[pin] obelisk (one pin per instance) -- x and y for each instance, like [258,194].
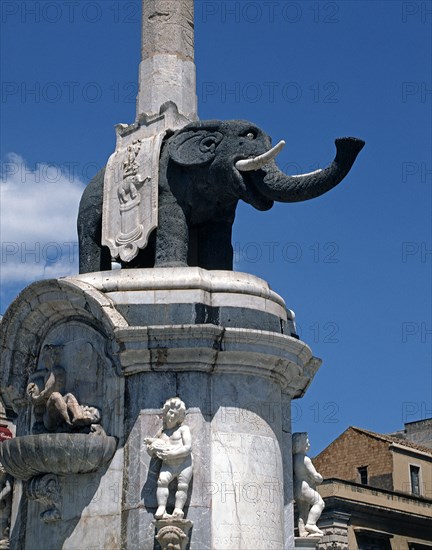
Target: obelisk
[167,70]
[166,102]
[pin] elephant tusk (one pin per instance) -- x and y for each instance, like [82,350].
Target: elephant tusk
[247,165]
[308,174]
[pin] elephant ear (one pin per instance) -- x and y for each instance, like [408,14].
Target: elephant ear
[194,147]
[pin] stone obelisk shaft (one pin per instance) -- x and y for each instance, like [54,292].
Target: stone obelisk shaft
[167,69]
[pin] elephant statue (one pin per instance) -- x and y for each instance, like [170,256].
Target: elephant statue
[205,168]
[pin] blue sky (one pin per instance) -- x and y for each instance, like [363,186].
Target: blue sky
[355,264]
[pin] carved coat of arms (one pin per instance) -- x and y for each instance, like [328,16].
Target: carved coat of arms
[130,211]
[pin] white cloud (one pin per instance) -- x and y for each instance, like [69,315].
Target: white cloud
[38,212]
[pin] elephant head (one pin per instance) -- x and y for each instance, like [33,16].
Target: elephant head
[240,157]
[205,168]
[210,151]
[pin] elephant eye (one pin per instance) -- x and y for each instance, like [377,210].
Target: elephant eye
[250,135]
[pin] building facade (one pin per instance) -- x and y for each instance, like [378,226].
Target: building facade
[378,491]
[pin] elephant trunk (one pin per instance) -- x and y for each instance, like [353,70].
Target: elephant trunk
[279,187]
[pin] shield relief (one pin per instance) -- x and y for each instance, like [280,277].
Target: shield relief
[130,203]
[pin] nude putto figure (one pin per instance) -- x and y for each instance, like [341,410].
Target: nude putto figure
[309,502]
[172,445]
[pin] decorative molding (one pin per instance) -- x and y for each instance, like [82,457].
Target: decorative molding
[46,489]
[208,348]
[173,534]
[181,278]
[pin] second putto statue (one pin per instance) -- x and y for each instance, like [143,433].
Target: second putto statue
[309,502]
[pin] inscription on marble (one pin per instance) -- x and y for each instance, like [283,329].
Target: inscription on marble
[248,536]
[246,492]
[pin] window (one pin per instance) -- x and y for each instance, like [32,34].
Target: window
[363,474]
[377,541]
[415,479]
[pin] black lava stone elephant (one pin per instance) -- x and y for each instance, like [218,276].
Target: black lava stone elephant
[205,169]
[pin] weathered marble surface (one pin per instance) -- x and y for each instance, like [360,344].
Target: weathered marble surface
[168,75]
[167,70]
[305,543]
[90,513]
[287,467]
[237,381]
[247,475]
[181,296]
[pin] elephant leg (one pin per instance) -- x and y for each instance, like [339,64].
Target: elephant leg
[92,256]
[171,237]
[215,250]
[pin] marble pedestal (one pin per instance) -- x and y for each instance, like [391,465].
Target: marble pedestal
[306,543]
[223,343]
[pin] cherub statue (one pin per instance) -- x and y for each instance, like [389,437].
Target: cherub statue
[172,445]
[309,502]
[53,411]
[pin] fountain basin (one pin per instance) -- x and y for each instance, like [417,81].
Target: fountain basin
[60,453]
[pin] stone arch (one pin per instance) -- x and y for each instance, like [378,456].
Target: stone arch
[37,309]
